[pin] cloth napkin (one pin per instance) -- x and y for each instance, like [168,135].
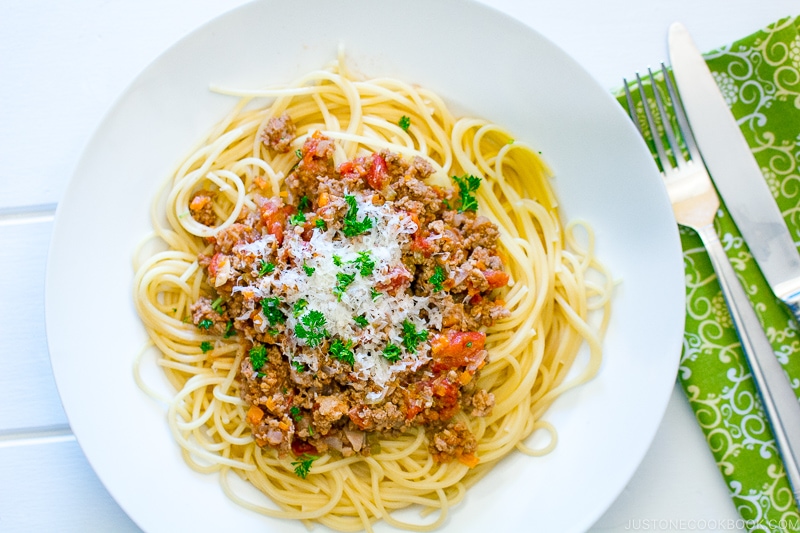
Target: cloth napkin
[759,76]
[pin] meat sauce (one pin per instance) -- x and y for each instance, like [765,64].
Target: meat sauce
[301,410]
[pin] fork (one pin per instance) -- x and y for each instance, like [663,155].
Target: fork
[695,204]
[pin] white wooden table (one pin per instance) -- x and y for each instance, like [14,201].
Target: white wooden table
[62,64]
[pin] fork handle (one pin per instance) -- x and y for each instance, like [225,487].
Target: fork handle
[777,395]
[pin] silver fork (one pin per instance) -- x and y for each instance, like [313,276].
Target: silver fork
[695,204]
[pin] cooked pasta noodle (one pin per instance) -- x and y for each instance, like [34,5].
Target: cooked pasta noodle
[558,300]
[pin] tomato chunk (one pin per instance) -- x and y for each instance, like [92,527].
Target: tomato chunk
[378,172]
[496,278]
[457,349]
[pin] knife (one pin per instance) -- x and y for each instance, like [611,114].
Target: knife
[735,171]
[738,180]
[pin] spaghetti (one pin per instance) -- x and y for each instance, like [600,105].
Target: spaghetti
[553,293]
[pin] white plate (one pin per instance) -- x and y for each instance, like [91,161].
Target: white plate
[481,62]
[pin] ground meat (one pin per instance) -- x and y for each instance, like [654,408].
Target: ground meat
[482,403]
[453,442]
[201,207]
[208,319]
[279,133]
[301,399]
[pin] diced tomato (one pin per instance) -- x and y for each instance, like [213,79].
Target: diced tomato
[273,216]
[219,264]
[398,277]
[456,349]
[358,419]
[496,278]
[300,447]
[445,399]
[378,172]
[353,168]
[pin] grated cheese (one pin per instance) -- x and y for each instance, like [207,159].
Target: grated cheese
[382,244]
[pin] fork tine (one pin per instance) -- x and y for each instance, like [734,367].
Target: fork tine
[680,115]
[677,153]
[632,107]
[663,160]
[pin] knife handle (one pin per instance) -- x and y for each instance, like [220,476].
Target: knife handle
[777,395]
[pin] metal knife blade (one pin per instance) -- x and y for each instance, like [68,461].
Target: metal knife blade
[734,170]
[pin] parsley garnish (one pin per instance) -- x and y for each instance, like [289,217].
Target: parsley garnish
[361,320]
[205,323]
[206,346]
[304,204]
[342,351]
[404,122]
[271,309]
[298,366]
[312,328]
[337,261]
[294,412]
[229,331]
[374,293]
[300,306]
[364,263]
[392,352]
[258,356]
[303,465]
[467,185]
[297,219]
[437,278]
[412,337]
[265,268]
[309,270]
[351,226]
[320,223]
[216,305]
[343,280]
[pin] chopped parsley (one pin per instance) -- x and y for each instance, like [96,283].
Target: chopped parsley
[374,293]
[337,261]
[272,311]
[351,226]
[304,204]
[467,185]
[312,328]
[361,320]
[258,356]
[299,306]
[364,263]
[412,337]
[404,122]
[265,268]
[320,223]
[205,323]
[392,353]
[299,367]
[303,465]
[343,351]
[294,412]
[343,280]
[216,305]
[297,219]
[229,331]
[206,346]
[309,270]
[437,278]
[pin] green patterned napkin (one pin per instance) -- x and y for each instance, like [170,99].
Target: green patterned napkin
[760,78]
